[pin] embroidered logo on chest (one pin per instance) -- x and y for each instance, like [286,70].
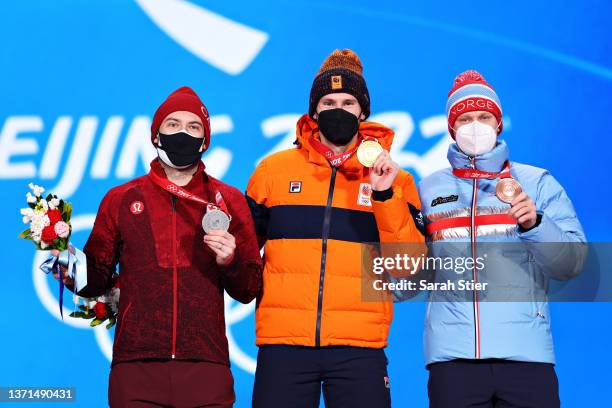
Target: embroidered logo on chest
[365,195]
[137,207]
[295,186]
[444,200]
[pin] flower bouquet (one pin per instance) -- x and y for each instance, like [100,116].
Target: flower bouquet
[48,218]
[49,228]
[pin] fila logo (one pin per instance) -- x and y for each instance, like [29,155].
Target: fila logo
[137,207]
[295,186]
[365,195]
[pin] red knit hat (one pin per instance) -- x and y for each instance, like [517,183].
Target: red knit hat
[183,99]
[471,92]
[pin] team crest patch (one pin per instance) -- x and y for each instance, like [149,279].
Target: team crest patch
[365,195]
[336,82]
[295,186]
[387,382]
[444,200]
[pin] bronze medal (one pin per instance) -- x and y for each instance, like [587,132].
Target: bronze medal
[507,190]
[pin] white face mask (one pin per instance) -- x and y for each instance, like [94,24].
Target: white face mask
[476,138]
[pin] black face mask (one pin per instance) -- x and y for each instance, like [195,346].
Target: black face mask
[338,125]
[179,150]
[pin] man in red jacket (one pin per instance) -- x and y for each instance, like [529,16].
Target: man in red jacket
[180,238]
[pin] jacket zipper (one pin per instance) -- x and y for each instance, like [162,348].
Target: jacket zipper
[174,277]
[325,235]
[474,273]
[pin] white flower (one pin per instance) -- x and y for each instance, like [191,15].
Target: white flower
[28,212]
[43,245]
[38,190]
[31,199]
[26,219]
[45,205]
[38,221]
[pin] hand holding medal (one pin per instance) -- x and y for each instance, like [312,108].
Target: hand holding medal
[384,171]
[223,244]
[523,209]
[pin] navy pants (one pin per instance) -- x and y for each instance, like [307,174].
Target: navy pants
[492,383]
[292,377]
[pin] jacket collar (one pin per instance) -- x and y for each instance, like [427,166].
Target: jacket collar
[492,161]
[195,184]
[307,127]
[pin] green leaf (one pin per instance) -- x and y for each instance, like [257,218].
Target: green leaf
[77,314]
[97,322]
[67,211]
[24,234]
[111,323]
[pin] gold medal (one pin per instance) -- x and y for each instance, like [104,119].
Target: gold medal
[368,152]
[507,189]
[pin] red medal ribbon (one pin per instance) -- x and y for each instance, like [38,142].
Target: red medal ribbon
[336,160]
[180,192]
[478,174]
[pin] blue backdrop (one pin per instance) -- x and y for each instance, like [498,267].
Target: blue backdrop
[80,80]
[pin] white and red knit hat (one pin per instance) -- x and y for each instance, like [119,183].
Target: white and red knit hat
[470,93]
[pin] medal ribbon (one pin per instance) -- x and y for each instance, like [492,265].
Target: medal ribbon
[479,174]
[335,160]
[180,192]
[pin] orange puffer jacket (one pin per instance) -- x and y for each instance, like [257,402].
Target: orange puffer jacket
[313,219]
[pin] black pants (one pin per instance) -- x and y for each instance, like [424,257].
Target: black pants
[492,383]
[291,377]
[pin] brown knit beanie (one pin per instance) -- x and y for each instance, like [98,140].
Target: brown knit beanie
[341,72]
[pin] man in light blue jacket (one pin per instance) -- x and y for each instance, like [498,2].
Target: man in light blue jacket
[494,349]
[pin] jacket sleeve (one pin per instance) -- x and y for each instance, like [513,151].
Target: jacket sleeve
[242,277]
[557,242]
[401,229]
[102,249]
[257,195]
[398,213]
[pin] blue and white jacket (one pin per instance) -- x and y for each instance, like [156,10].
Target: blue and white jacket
[513,330]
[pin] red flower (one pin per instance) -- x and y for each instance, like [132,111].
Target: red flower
[54,216]
[48,234]
[100,310]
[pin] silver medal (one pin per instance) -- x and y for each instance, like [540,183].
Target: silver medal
[215,219]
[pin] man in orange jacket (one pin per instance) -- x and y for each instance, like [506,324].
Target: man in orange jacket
[313,207]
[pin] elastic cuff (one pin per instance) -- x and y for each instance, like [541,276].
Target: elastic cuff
[538,222]
[382,195]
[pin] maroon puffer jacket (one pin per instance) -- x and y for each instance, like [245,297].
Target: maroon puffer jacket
[171,304]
